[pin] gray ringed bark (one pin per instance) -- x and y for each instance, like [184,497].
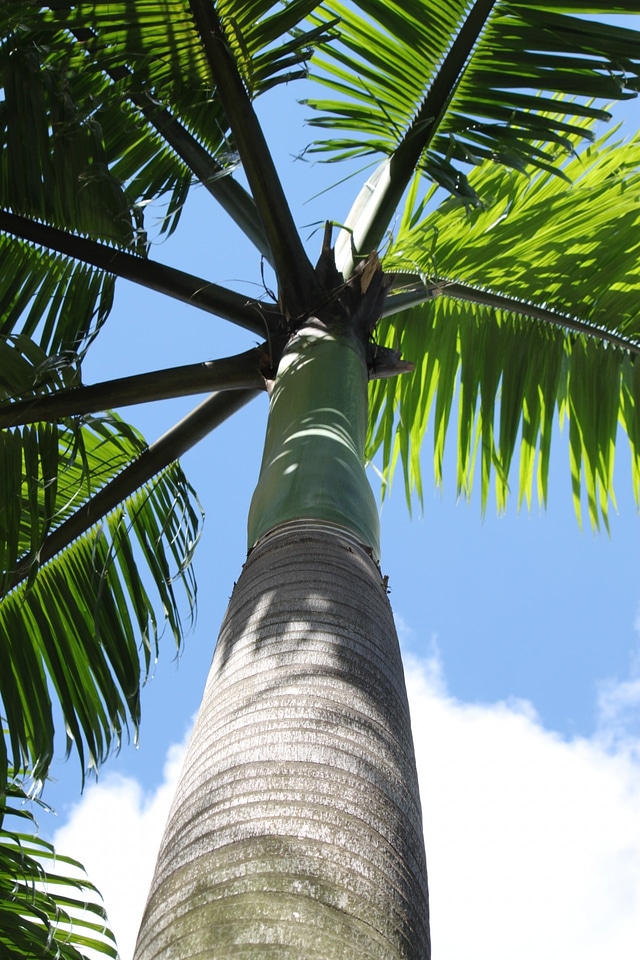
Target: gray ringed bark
[296,829]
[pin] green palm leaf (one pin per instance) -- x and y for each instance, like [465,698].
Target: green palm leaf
[47,906]
[90,139]
[442,86]
[74,628]
[27,371]
[95,532]
[579,254]
[71,624]
[55,161]
[156,45]
[562,337]
[51,469]
[61,301]
[393,55]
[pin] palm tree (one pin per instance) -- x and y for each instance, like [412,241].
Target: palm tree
[494,245]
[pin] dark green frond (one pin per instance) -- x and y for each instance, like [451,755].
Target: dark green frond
[448,85]
[269,40]
[48,909]
[27,371]
[74,628]
[83,139]
[110,110]
[155,45]
[46,295]
[49,470]
[54,162]
[73,625]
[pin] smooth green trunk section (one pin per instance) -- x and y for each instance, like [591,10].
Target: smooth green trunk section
[313,461]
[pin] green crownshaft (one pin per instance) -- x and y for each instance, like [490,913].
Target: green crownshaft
[313,461]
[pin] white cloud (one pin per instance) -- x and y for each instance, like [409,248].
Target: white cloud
[619,715]
[533,842]
[115,831]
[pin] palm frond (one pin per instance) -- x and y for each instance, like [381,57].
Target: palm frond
[71,627]
[49,470]
[60,300]
[26,370]
[109,109]
[81,595]
[48,908]
[546,244]
[157,45]
[147,155]
[570,246]
[71,250]
[153,52]
[54,162]
[447,86]
[270,41]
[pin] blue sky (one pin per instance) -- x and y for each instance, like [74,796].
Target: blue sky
[521,635]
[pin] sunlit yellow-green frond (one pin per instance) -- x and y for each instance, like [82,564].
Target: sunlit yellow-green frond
[572,247]
[531,314]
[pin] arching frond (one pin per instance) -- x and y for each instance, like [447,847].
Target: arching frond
[541,243]
[572,247]
[122,74]
[447,85]
[28,371]
[72,627]
[49,469]
[157,41]
[54,160]
[62,301]
[109,110]
[390,57]
[77,254]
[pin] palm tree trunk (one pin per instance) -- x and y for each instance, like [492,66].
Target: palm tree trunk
[296,829]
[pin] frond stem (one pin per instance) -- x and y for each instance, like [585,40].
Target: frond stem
[406,156]
[173,444]
[413,294]
[296,276]
[240,372]
[224,303]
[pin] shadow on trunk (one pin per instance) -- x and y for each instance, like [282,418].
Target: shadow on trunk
[296,828]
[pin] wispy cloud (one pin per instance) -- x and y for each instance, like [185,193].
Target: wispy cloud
[619,707]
